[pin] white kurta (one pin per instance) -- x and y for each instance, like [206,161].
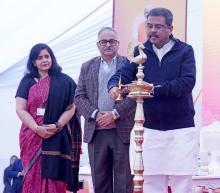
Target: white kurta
[172,152]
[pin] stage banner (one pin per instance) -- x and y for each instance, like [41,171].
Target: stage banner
[211,63]
[129,19]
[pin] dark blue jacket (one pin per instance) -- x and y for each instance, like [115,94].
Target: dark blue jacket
[13,173]
[7,181]
[172,104]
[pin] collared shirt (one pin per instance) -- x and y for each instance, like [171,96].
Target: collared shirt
[105,103]
[107,67]
[160,52]
[105,72]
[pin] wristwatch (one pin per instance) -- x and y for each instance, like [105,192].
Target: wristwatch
[58,126]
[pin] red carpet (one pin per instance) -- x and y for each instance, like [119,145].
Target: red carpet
[87,191]
[81,191]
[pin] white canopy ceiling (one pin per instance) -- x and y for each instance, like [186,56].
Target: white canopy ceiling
[69,27]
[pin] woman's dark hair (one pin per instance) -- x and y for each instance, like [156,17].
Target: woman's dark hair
[34,53]
[166,13]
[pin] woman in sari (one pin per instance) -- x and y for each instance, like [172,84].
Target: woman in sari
[50,147]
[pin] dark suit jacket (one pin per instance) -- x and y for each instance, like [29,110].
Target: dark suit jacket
[13,172]
[7,181]
[86,100]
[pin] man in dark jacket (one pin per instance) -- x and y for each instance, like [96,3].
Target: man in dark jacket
[170,139]
[7,180]
[16,173]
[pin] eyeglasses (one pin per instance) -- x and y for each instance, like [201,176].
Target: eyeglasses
[156,26]
[112,42]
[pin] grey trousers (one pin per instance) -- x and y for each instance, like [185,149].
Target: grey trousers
[109,161]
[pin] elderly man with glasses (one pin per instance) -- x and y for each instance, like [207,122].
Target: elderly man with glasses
[107,124]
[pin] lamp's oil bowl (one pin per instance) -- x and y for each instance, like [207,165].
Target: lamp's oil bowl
[139,86]
[140,94]
[139,89]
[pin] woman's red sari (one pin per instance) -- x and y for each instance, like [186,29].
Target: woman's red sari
[30,143]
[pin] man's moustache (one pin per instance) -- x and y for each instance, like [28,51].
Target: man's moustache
[153,35]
